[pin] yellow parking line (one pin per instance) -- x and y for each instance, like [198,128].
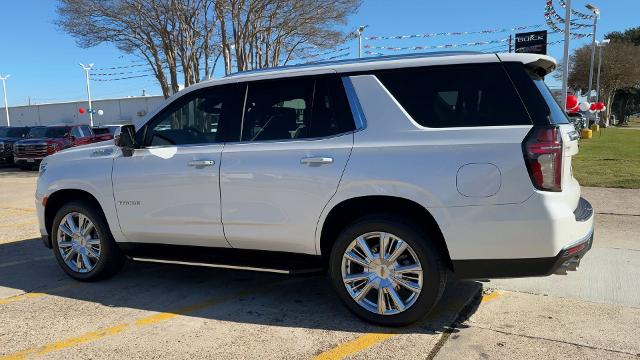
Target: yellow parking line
[35,295]
[20,262]
[19,209]
[491,296]
[12,225]
[138,323]
[354,346]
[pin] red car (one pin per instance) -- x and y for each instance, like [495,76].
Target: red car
[43,141]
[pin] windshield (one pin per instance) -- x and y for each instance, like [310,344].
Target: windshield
[49,132]
[13,132]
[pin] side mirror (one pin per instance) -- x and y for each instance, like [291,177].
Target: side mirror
[126,140]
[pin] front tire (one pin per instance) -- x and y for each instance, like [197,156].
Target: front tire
[83,244]
[394,287]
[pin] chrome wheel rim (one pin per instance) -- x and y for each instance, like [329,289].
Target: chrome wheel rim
[78,242]
[382,273]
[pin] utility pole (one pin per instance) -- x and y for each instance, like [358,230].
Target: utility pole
[86,69]
[360,31]
[596,14]
[600,46]
[565,65]
[4,92]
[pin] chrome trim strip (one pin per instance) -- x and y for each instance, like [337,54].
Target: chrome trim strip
[218,266]
[354,103]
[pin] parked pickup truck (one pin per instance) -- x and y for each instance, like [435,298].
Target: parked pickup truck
[43,141]
[8,137]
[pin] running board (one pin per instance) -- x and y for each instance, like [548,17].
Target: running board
[224,266]
[225,258]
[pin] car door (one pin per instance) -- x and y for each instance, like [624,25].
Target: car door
[297,135]
[168,191]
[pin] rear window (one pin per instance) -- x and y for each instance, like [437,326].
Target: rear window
[101,131]
[535,94]
[457,96]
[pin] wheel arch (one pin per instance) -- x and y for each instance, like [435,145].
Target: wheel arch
[61,197]
[354,208]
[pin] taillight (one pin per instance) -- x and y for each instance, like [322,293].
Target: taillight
[53,147]
[542,150]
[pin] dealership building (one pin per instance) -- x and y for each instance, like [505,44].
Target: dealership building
[126,110]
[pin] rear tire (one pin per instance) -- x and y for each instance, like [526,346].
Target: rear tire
[88,255]
[394,278]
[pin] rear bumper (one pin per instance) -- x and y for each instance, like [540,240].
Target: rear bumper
[567,259]
[565,236]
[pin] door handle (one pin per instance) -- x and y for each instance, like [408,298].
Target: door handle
[316,160]
[201,163]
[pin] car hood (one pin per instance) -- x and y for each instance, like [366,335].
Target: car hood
[39,141]
[9,139]
[90,151]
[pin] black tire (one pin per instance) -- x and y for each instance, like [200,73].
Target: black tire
[111,258]
[434,271]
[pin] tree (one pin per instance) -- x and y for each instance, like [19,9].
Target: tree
[165,33]
[265,33]
[631,35]
[176,36]
[619,70]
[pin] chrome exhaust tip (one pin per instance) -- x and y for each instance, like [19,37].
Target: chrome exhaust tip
[569,265]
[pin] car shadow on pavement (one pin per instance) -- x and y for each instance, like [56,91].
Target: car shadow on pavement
[217,294]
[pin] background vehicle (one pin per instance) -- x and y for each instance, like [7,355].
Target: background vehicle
[392,173]
[43,141]
[578,121]
[105,132]
[8,137]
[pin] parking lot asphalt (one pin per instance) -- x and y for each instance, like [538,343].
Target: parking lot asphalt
[166,311]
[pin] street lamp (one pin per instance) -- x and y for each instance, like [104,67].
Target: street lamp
[4,92]
[86,69]
[360,31]
[596,14]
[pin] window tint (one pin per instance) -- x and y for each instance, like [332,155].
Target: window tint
[466,95]
[295,109]
[536,96]
[86,131]
[76,132]
[193,119]
[331,112]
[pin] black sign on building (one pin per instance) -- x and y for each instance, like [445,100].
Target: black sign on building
[532,42]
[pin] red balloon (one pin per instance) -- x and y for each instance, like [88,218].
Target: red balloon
[599,105]
[572,101]
[81,110]
[592,106]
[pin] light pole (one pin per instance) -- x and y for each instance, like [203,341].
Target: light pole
[86,69]
[4,92]
[360,31]
[565,65]
[596,14]
[602,44]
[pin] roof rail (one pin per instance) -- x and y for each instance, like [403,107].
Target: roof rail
[358,61]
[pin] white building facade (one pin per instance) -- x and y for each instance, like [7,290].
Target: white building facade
[115,111]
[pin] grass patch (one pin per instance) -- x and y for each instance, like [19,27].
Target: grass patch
[609,160]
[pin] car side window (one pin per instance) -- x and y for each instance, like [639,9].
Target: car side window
[452,96]
[278,109]
[86,131]
[195,118]
[297,108]
[75,132]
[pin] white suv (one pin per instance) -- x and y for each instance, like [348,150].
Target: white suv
[391,173]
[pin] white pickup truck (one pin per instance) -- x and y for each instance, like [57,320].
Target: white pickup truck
[390,173]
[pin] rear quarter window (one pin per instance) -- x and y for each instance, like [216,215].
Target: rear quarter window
[535,94]
[457,96]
